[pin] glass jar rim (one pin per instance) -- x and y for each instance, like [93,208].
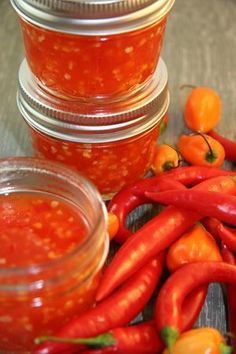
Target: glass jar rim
[93,17]
[93,121]
[14,165]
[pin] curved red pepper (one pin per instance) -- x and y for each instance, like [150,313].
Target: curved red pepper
[227,236]
[134,195]
[130,198]
[230,258]
[155,236]
[229,145]
[173,293]
[218,205]
[117,310]
[211,224]
[221,232]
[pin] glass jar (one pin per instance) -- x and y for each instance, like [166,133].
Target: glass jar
[92,49]
[53,245]
[112,143]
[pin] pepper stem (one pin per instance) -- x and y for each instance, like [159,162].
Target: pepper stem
[168,165]
[103,340]
[169,335]
[210,155]
[225,349]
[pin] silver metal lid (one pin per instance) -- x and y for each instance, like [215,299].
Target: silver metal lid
[93,16]
[93,121]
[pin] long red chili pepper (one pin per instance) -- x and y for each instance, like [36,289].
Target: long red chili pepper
[117,310]
[219,205]
[228,236]
[173,293]
[221,232]
[141,338]
[229,145]
[230,258]
[132,196]
[211,224]
[155,236]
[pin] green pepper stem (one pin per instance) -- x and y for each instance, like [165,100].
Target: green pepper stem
[169,335]
[225,349]
[210,155]
[104,340]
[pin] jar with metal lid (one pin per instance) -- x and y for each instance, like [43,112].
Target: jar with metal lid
[111,144]
[53,246]
[92,49]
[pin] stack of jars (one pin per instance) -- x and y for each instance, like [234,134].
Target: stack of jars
[93,92]
[93,89]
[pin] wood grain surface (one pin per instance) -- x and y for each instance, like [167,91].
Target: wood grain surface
[200,48]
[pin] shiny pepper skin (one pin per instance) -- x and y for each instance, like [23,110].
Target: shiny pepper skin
[165,158]
[200,341]
[202,109]
[196,151]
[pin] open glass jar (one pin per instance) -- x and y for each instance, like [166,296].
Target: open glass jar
[53,245]
[92,49]
[112,143]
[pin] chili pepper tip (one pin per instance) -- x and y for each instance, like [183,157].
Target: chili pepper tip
[169,335]
[225,349]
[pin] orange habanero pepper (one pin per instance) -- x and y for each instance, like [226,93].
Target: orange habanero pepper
[165,158]
[202,109]
[201,150]
[196,245]
[200,341]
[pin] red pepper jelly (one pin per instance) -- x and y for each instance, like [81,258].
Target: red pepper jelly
[53,245]
[82,49]
[111,143]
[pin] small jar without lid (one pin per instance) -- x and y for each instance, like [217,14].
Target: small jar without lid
[53,246]
[112,143]
[88,49]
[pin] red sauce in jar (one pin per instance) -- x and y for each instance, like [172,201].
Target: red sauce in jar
[92,66]
[110,166]
[37,229]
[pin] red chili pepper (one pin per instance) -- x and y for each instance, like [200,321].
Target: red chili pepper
[211,224]
[227,236]
[155,236]
[229,145]
[132,196]
[218,205]
[117,310]
[173,293]
[230,258]
[141,338]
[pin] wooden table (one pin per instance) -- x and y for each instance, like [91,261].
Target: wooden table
[200,49]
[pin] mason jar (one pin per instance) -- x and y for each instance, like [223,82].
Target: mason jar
[111,143]
[92,49]
[53,246]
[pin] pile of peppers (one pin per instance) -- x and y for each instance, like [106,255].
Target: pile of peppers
[194,237]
